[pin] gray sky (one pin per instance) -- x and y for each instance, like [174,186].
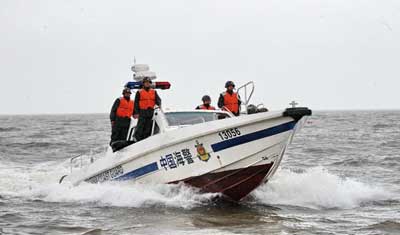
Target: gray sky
[75,56]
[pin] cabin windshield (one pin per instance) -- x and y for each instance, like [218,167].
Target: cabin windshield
[191,118]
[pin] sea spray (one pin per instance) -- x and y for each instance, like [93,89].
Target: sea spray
[317,188]
[125,194]
[40,182]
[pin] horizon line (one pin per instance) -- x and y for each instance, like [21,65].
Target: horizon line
[93,113]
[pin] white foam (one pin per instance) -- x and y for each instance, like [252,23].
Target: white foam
[317,188]
[314,188]
[41,182]
[124,194]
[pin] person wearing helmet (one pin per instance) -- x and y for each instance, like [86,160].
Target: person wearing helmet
[145,100]
[230,100]
[120,116]
[206,103]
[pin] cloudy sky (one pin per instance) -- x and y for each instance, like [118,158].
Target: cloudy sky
[75,56]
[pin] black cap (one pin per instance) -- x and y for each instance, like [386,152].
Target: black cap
[146,79]
[126,90]
[229,83]
[206,98]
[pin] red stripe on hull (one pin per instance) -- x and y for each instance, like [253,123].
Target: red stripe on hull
[234,184]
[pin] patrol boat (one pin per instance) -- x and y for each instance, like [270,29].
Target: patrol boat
[209,149]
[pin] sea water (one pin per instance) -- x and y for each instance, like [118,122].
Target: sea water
[341,175]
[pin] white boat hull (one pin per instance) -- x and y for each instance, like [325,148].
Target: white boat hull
[231,156]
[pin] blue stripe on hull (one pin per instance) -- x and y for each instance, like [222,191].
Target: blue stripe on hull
[217,147]
[253,136]
[139,172]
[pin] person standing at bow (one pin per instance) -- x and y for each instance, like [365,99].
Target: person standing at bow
[145,100]
[120,116]
[206,103]
[230,100]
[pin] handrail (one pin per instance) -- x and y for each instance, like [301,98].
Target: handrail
[247,96]
[80,156]
[73,158]
[162,124]
[224,108]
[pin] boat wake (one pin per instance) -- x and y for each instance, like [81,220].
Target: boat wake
[317,188]
[41,183]
[122,194]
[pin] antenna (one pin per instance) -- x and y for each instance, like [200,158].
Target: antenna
[134,60]
[293,104]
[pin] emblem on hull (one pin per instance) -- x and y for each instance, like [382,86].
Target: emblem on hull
[202,153]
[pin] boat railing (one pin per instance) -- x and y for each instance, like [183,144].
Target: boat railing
[248,90]
[159,119]
[73,159]
[227,110]
[81,159]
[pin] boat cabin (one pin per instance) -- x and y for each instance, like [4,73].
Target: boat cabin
[164,121]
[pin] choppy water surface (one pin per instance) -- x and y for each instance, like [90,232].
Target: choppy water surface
[341,175]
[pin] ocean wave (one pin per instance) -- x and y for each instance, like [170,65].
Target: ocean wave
[388,226]
[7,129]
[352,162]
[390,144]
[389,202]
[382,126]
[40,182]
[11,217]
[320,150]
[391,161]
[317,188]
[34,145]
[38,136]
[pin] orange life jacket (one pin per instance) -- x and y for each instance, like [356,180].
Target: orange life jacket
[125,108]
[231,102]
[205,107]
[147,99]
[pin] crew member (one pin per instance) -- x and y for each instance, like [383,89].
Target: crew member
[206,103]
[145,100]
[230,100]
[120,116]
